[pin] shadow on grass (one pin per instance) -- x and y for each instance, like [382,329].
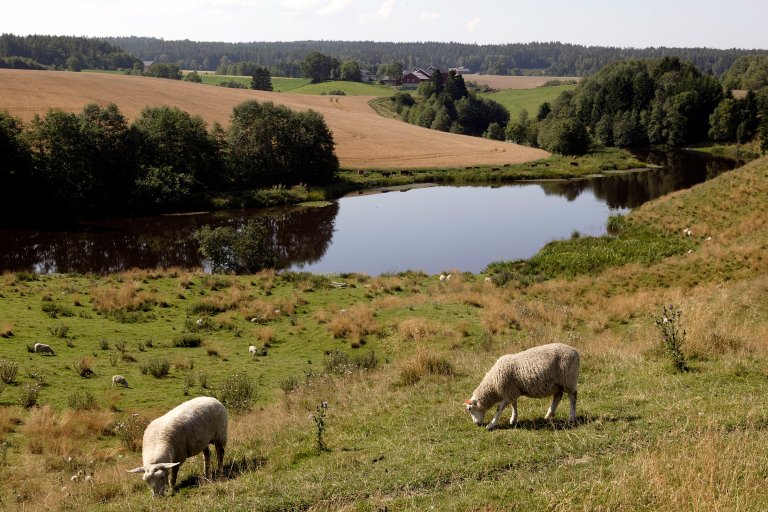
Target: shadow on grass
[563,424]
[232,469]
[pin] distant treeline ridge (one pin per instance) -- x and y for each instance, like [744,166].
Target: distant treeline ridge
[553,58]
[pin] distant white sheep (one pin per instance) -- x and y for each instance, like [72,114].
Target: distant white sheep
[252,350]
[488,279]
[546,370]
[199,323]
[42,348]
[442,278]
[687,231]
[181,433]
[119,379]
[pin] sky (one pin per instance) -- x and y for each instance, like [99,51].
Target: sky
[622,23]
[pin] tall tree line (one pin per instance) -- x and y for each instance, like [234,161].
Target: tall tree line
[553,58]
[96,162]
[65,52]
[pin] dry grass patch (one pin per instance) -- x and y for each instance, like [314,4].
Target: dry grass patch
[58,436]
[125,298]
[266,335]
[353,323]
[398,302]
[420,329]
[424,364]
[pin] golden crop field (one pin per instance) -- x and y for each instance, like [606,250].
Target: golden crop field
[363,138]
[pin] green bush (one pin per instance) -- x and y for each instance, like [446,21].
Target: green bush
[82,401]
[8,371]
[28,395]
[187,341]
[238,392]
[158,367]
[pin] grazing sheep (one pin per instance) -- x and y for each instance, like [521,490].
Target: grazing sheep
[488,279]
[199,322]
[182,432]
[252,350]
[687,231]
[42,348]
[119,379]
[442,278]
[537,372]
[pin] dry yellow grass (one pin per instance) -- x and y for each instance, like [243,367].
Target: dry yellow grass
[363,138]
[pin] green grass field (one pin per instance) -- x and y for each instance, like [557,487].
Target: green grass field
[302,85]
[516,100]
[395,434]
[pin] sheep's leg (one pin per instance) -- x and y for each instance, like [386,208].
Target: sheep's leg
[219,455]
[174,474]
[555,402]
[207,462]
[513,418]
[495,421]
[572,399]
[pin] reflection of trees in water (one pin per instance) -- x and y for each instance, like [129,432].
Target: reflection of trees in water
[299,235]
[680,169]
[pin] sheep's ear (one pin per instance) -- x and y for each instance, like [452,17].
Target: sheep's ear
[468,402]
[167,465]
[136,470]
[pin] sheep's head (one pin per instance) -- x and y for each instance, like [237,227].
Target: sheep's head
[473,408]
[156,476]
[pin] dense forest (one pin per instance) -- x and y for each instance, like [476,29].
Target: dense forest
[62,52]
[166,160]
[554,58]
[664,101]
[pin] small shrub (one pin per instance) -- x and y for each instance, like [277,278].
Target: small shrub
[131,431]
[187,341]
[8,371]
[289,384]
[672,337]
[158,367]
[189,379]
[22,277]
[337,362]
[82,401]
[84,367]
[238,392]
[6,331]
[28,395]
[121,346]
[104,344]
[202,379]
[59,331]
[114,357]
[319,420]
[55,310]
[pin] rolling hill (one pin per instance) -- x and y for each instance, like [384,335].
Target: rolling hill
[363,139]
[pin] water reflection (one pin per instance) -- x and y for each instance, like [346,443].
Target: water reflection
[429,229]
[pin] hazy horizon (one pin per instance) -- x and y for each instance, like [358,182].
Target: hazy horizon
[656,23]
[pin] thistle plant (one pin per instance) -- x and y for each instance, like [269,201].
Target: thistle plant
[319,419]
[672,336]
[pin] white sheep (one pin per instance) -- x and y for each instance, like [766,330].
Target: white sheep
[119,379]
[546,370]
[182,432]
[442,278]
[42,348]
[488,279]
[687,232]
[252,350]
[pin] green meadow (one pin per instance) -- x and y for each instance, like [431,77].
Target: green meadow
[394,356]
[516,100]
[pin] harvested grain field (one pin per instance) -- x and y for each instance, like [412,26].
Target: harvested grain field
[363,138]
[502,82]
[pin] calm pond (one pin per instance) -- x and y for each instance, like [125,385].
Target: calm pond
[432,229]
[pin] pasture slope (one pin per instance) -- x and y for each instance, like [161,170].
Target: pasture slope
[363,139]
[396,436]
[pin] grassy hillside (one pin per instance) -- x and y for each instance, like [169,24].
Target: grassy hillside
[516,100]
[394,431]
[279,84]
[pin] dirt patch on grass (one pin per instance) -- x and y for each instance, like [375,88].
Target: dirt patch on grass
[363,138]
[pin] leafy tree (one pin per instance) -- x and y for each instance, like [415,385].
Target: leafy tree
[16,163]
[475,114]
[564,135]
[747,72]
[193,76]
[176,154]
[494,131]
[455,88]
[393,70]
[163,70]
[261,81]
[544,110]
[724,120]
[270,144]
[349,71]
[517,131]
[74,63]
[318,67]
